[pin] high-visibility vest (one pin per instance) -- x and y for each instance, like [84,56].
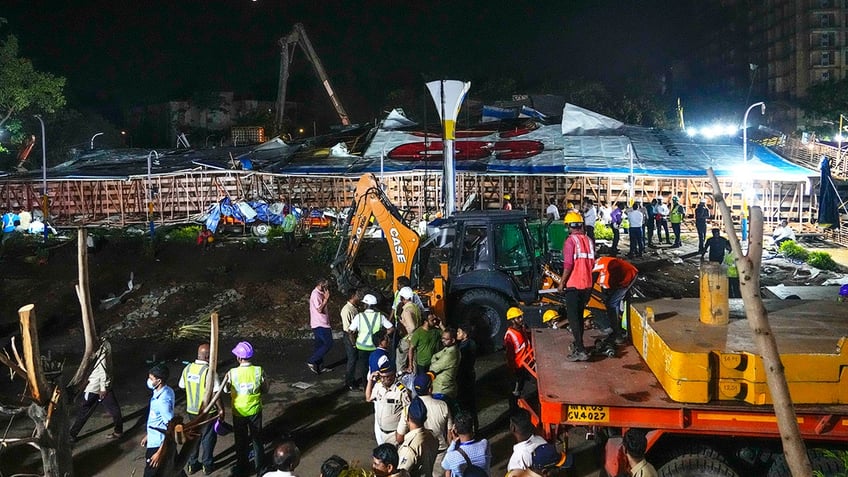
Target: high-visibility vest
[289,223]
[245,382]
[194,377]
[676,215]
[584,261]
[369,321]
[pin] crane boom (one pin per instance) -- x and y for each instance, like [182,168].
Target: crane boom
[298,37]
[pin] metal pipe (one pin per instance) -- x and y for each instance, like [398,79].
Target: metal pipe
[45,201]
[762,106]
[150,193]
[92,139]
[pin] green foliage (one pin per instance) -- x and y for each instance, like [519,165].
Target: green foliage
[22,87]
[822,261]
[275,232]
[603,231]
[826,100]
[184,234]
[792,250]
[324,249]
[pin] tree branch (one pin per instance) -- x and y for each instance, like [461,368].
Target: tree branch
[749,281]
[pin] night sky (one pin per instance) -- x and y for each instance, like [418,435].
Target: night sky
[122,53]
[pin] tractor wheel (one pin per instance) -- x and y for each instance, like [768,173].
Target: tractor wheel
[826,462]
[486,310]
[694,465]
[261,230]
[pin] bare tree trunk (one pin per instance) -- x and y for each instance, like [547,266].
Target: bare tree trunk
[51,402]
[749,282]
[48,413]
[77,383]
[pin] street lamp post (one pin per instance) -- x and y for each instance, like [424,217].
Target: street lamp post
[762,106]
[839,138]
[92,139]
[44,199]
[150,216]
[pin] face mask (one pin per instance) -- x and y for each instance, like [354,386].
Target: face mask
[150,384]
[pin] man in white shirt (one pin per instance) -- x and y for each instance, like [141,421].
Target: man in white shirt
[782,233]
[526,439]
[552,212]
[590,216]
[97,391]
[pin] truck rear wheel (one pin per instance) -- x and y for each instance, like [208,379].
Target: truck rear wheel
[486,310]
[825,461]
[695,465]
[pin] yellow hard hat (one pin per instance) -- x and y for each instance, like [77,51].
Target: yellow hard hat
[573,219]
[513,313]
[507,196]
[550,315]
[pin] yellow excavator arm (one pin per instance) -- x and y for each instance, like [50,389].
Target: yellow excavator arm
[369,201]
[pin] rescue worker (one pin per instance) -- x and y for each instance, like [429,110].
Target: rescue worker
[194,381]
[733,290]
[675,217]
[615,277]
[362,328]
[289,226]
[507,202]
[247,384]
[552,319]
[518,352]
[578,260]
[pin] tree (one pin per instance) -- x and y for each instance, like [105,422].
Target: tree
[826,100]
[22,87]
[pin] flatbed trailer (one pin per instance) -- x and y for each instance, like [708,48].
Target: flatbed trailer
[611,395]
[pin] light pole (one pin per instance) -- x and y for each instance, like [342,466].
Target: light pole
[150,215]
[92,139]
[44,199]
[839,138]
[762,106]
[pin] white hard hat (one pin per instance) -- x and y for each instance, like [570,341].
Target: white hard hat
[406,292]
[369,299]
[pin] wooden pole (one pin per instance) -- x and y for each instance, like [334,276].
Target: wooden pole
[32,355]
[749,282]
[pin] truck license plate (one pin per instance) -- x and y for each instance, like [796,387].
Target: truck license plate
[588,414]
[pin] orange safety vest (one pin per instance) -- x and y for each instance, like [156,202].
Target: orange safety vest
[584,261]
[517,347]
[614,272]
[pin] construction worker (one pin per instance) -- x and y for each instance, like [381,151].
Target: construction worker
[507,202]
[289,226]
[247,384]
[194,380]
[578,260]
[552,319]
[518,352]
[615,277]
[675,217]
[362,328]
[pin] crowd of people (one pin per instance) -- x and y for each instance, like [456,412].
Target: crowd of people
[17,220]
[417,371]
